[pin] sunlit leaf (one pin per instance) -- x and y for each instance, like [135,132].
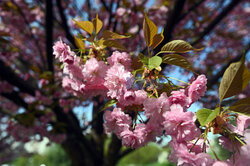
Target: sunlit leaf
[112,35]
[202,115]
[177,60]
[242,106]
[85,25]
[157,39]
[110,103]
[79,43]
[212,115]
[97,24]
[149,29]
[154,62]
[178,46]
[115,44]
[234,80]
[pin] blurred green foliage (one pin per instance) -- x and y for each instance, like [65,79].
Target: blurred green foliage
[150,155]
[54,156]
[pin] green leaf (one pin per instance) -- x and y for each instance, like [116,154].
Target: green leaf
[149,29]
[242,106]
[79,43]
[178,46]
[177,60]
[97,24]
[143,59]
[202,115]
[85,25]
[206,116]
[157,39]
[213,115]
[115,44]
[110,103]
[112,35]
[234,80]
[154,62]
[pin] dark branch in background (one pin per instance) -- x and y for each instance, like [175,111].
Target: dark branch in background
[49,34]
[88,9]
[215,78]
[8,75]
[15,98]
[113,154]
[65,24]
[218,19]
[105,5]
[171,22]
[192,8]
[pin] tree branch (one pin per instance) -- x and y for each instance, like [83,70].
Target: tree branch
[213,24]
[171,22]
[15,98]
[8,75]
[192,8]
[65,24]
[49,34]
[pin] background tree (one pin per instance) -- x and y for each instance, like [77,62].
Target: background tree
[32,100]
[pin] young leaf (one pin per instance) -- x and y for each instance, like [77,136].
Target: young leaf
[110,103]
[202,115]
[85,25]
[97,24]
[79,43]
[115,44]
[234,80]
[178,46]
[242,106]
[177,60]
[154,62]
[212,115]
[143,59]
[112,35]
[157,39]
[149,29]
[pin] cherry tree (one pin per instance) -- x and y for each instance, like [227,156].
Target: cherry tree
[119,62]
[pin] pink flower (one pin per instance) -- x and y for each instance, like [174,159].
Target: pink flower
[117,81]
[136,138]
[63,52]
[180,125]
[197,88]
[128,98]
[180,155]
[154,106]
[141,96]
[178,97]
[94,71]
[243,122]
[122,58]
[221,163]
[116,121]
[120,11]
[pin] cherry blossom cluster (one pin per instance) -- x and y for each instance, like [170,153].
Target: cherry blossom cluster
[165,115]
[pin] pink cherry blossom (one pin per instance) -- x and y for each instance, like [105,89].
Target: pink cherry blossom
[197,88]
[122,58]
[117,80]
